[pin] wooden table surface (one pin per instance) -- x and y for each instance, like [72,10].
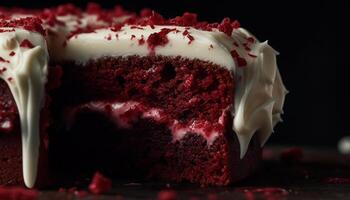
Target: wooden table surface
[321,174]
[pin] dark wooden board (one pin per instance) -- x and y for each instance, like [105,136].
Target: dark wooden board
[276,180]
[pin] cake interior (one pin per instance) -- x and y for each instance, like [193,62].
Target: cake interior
[155,117]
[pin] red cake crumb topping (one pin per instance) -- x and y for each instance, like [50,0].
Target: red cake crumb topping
[28,23]
[26,44]
[142,40]
[100,184]
[337,180]
[158,39]
[109,37]
[17,193]
[132,37]
[293,154]
[50,18]
[67,9]
[241,62]
[10,79]
[187,19]
[3,60]
[167,195]
[117,27]
[226,27]
[93,8]
[187,34]
[12,53]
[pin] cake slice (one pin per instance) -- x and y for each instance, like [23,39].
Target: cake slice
[144,96]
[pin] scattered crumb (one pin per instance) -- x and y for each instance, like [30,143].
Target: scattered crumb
[100,184]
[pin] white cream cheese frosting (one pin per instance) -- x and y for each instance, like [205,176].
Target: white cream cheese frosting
[25,71]
[258,101]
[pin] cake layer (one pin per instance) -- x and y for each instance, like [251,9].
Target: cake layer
[186,89]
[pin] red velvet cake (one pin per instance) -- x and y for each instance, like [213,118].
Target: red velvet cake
[132,95]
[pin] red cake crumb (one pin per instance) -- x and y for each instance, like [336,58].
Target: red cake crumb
[100,184]
[226,27]
[142,40]
[17,193]
[93,8]
[28,23]
[67,9]
[12,53]
[187,19]
[293,154]
[109,37]
[3,60]
[241,62]
[337,180]
[187,34]
[158,39]
[167,195]
[117,27]
[26,44]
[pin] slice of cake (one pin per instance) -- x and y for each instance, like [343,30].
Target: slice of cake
[135,95]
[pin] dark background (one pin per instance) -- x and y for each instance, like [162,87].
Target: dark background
[312,38]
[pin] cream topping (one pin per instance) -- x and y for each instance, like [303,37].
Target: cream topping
[260,93]
[25,72]
[206,45]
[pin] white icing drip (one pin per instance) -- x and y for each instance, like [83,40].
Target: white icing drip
[25,75]
[260,94]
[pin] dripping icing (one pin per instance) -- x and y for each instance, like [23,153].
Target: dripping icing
[25,75]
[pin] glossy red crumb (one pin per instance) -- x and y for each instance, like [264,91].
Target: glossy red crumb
[17,193]
[100,184]
[12,53]
[337,180]
[158,39]
[241,62]
[167,195]
[293,154]
[3,60]
[28,23]
[26,44]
